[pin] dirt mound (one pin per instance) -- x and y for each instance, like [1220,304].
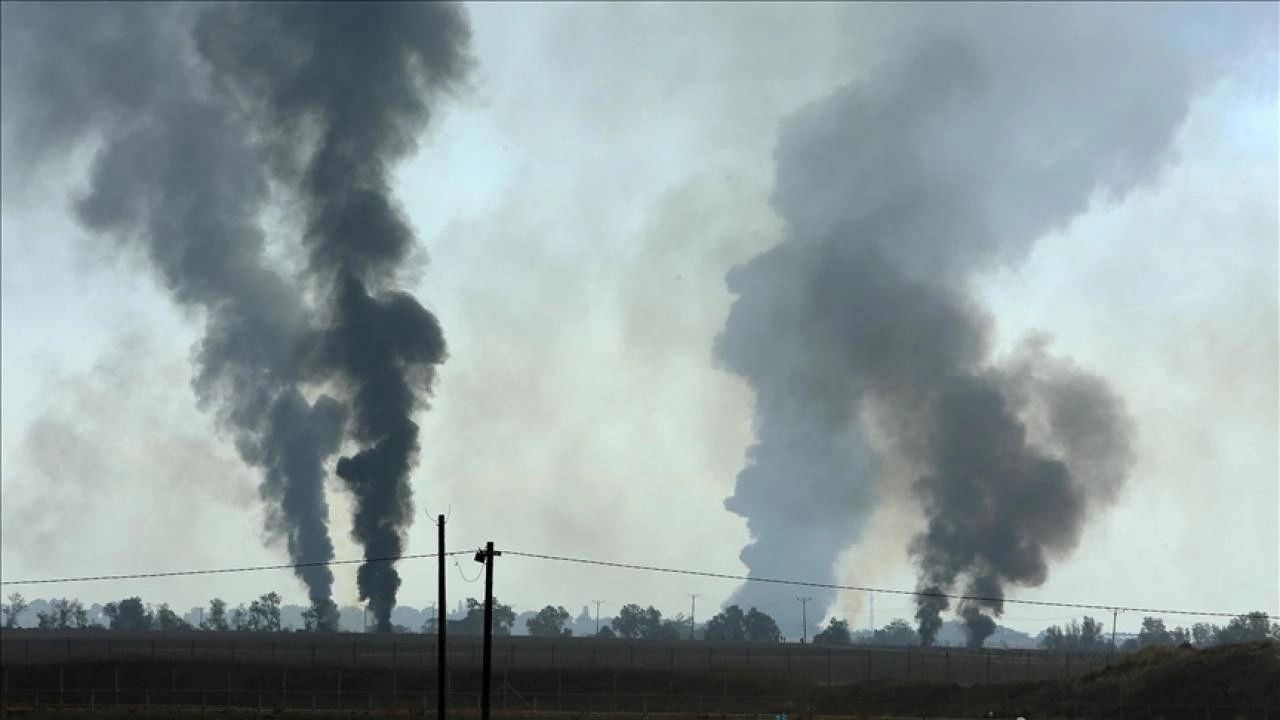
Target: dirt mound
[1243,675]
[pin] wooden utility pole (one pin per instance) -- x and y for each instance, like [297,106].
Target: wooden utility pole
[486,556]
[442,668]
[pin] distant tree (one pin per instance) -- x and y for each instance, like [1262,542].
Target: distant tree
[898,632]
[216,618]
[63,614]
[1180,636]
[1053,639]
[549,622]
[835,633]
[128,614]
[166,619]
[760,627]
[728,625]
[17,604]
[239,619]
[607,632]
[1075,636]
[1153,633]
[473,624]
[1204,634]
[676,628]
[1091,635]
[634,622]
[1253,627]
[264,613]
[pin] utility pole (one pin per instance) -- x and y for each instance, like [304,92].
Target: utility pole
[598,604]
[693,609]
[442,668]
[1114,613]
[804,618]
[872,619]
[486,556]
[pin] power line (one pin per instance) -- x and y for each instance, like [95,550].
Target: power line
[221,571]
[632,566]
[886,591]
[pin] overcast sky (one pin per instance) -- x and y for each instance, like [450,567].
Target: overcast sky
[579,207]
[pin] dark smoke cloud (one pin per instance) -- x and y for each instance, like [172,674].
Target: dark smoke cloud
[983,130]
[182,175]
[339,93]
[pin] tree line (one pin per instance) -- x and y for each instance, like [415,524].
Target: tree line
[633,622]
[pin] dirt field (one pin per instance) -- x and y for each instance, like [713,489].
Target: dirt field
[1230,683]
[824,665]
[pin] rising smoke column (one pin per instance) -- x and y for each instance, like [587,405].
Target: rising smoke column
[339,93]
[177,178]
[984,129]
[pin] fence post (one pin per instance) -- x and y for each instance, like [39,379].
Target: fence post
[988,654]
[61,700]
[339,688]
[117,685]
[908,665]
[828,667]
[1028,667]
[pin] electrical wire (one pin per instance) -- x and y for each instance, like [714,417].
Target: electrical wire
[220,571]
[646,568]
[885,591]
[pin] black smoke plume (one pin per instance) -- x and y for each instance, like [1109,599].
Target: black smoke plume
[983,130]
[182,175]
[339,92]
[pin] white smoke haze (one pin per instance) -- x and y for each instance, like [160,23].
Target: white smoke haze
[581,204]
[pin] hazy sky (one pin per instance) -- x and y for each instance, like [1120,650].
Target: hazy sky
[579,207]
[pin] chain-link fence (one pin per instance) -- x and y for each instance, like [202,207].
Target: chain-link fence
[835,665]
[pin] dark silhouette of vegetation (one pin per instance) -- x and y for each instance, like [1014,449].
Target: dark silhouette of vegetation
[63,614]
[128,614]
[549,622]
[473,624]
[633,622]
[733,625]
[17,604]
[835,633]
[216,618]
[1084,636]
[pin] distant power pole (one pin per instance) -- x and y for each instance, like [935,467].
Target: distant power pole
[804,618]
[598,604]
[1114,612]
[693,609]
[872,620]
